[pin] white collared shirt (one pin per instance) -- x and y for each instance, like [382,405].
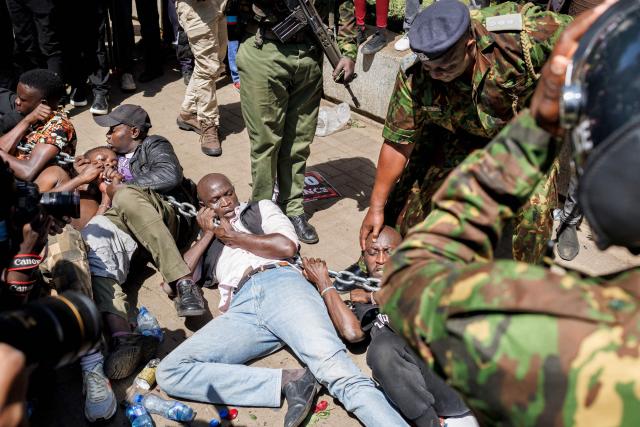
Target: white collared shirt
[234,262]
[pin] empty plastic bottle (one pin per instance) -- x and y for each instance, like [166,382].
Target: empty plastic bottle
[138,416]
[330,119]
[170,409]
[148,324]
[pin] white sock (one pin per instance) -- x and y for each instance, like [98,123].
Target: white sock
[467,420]
[89,361]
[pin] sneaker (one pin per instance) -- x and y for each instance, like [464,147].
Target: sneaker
[127,84]
[402,44]
[361,35]
[237,86]
[100,104]
[376,43]
[128,352]
[78,97]
[189,301]
[99,399]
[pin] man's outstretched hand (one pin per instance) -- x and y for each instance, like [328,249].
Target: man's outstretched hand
[316,271]
[545,104]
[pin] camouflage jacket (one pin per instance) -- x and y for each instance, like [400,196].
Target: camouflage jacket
[523,345]
[277,11]
[502,82]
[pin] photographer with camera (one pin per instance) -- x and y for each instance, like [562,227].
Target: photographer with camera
[53,331]
[44,132]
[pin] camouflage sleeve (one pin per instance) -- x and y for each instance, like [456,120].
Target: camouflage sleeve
[473,204]
[404,115]
[543,28]
[347,30]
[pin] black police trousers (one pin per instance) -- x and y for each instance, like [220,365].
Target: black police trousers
[420,395]
[35,29]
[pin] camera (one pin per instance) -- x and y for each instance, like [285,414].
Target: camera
[30,202]
[53,331]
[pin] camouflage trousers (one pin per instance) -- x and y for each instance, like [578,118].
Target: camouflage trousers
[430,163]
[65,266]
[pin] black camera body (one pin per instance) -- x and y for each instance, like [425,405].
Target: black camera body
[53,331]
[30,202]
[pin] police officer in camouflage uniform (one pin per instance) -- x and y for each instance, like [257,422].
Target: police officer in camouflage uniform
[472,71]
[525,345]
[280,97]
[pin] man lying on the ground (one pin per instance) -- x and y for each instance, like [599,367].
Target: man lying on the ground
[140,217]
[43,133]
[93,171]
[421,396]
[271,305]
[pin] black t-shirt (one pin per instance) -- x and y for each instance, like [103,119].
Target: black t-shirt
[371,320]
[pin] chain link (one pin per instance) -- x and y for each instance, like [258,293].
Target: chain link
[186,209]
[347,278]
[62,159]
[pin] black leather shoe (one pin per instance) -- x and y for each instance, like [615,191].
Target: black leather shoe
[188,301]
[100,104]
[305,231]
[568,245]
[127,353]
[376,43]
[300,395]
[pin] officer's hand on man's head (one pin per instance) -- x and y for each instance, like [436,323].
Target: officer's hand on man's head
[347,66]
[545,103]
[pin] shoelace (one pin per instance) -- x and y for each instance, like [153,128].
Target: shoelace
[97,388]
[188,290]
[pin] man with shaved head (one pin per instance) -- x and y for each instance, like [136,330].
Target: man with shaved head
[416,391]
[247,249]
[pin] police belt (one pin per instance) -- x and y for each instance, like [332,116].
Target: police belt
[299,37]
[257,270]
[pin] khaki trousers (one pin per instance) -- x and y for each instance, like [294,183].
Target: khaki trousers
[205,25]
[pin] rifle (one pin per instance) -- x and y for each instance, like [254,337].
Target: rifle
[304,14]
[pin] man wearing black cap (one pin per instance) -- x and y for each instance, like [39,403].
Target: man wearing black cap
[148,171]
[472,70]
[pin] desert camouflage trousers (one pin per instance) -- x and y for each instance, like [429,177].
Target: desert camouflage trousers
[410,201]
[66,267]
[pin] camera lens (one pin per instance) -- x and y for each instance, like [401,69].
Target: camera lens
[62,203]
[53,331]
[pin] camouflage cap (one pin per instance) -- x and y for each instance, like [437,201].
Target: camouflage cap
[437,28]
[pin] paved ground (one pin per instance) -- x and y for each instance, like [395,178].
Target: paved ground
[347,159]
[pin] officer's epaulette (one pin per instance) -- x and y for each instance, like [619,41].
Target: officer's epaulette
[408,61]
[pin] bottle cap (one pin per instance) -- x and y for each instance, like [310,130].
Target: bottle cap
[214,423]
[143,310]
[223,413]
[138,398]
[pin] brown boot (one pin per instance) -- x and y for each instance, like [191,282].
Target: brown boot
[209,140]
[188,121]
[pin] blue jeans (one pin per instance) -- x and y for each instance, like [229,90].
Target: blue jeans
[232,50]
[274,308]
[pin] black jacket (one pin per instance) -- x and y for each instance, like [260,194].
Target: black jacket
[154,165]
[9,117]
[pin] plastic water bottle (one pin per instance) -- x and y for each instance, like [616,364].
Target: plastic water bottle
[138,416]
[170,409]
[331,119]
[148,324]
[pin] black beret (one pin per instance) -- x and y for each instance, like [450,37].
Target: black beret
[437,28]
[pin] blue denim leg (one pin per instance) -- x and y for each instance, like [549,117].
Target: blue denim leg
[232,50]
[293,310]
[208,367]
